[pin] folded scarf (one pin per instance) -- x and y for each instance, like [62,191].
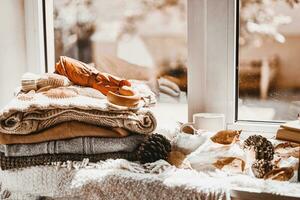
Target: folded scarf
[66,130]
[82,145]
[46,159]
[35,111]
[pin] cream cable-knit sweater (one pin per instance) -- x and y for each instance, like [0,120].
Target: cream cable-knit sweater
[34,111]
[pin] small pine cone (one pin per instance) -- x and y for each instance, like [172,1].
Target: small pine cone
[263,148]
[261,167]
[155,147]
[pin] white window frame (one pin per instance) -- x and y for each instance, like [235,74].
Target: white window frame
[211,35]
[39,36]
[212,82]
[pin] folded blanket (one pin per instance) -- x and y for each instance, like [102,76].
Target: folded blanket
[66,130]
[82,145]
[44,82]
[35,111]
[46,159]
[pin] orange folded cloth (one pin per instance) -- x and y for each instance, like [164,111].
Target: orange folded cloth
[85,75]
[61,131]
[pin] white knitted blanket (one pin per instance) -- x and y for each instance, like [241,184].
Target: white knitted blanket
[111,179]
[121,179]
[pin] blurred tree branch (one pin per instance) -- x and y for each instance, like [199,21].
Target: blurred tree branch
[258,21]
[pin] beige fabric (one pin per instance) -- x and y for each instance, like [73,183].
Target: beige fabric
[65,130]
[35,111]
[42,82]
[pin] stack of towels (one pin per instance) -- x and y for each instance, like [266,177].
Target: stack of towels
[51,120]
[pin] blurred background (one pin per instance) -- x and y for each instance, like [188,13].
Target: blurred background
[135,39]
[269,60]
[147,40]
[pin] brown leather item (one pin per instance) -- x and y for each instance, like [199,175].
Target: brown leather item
[82,74]
[66,130]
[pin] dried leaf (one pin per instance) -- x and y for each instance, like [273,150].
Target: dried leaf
[280,174]
[288,149]
[226,136]
[176,158]
[230,163]
[286,145]
[188,129]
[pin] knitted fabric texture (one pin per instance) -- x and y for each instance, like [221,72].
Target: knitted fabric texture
[43,82]
[42,110]
[46,159]
[82,145]
[66,130]
[112,179]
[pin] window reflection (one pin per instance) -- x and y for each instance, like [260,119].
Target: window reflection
[269,60]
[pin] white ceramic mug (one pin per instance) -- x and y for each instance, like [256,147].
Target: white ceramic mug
[207,121]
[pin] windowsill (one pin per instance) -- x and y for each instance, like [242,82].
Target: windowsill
[235,194]
[258,127]
[250,193]
[261,189]
[242,194]
[169,111]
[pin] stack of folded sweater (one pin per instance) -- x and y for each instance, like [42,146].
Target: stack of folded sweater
[53,120]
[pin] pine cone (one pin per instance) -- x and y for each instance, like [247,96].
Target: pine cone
[261,167]
[263,148]
[155,147]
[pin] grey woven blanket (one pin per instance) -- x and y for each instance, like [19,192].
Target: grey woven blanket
[82,145]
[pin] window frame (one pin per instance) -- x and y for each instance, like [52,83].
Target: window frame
[39,35]
[34,36]
[49,34]
[214,22]
[211,34]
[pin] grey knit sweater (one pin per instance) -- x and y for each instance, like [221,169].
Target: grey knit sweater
[82,145]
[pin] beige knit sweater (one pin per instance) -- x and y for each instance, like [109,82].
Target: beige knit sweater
[41,108]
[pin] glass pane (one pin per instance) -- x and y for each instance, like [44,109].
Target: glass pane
[269,60]
[137,39]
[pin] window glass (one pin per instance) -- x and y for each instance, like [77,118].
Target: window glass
[269,60]
[136,39]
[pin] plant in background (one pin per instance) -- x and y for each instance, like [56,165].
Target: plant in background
[259,21]
[134,17]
